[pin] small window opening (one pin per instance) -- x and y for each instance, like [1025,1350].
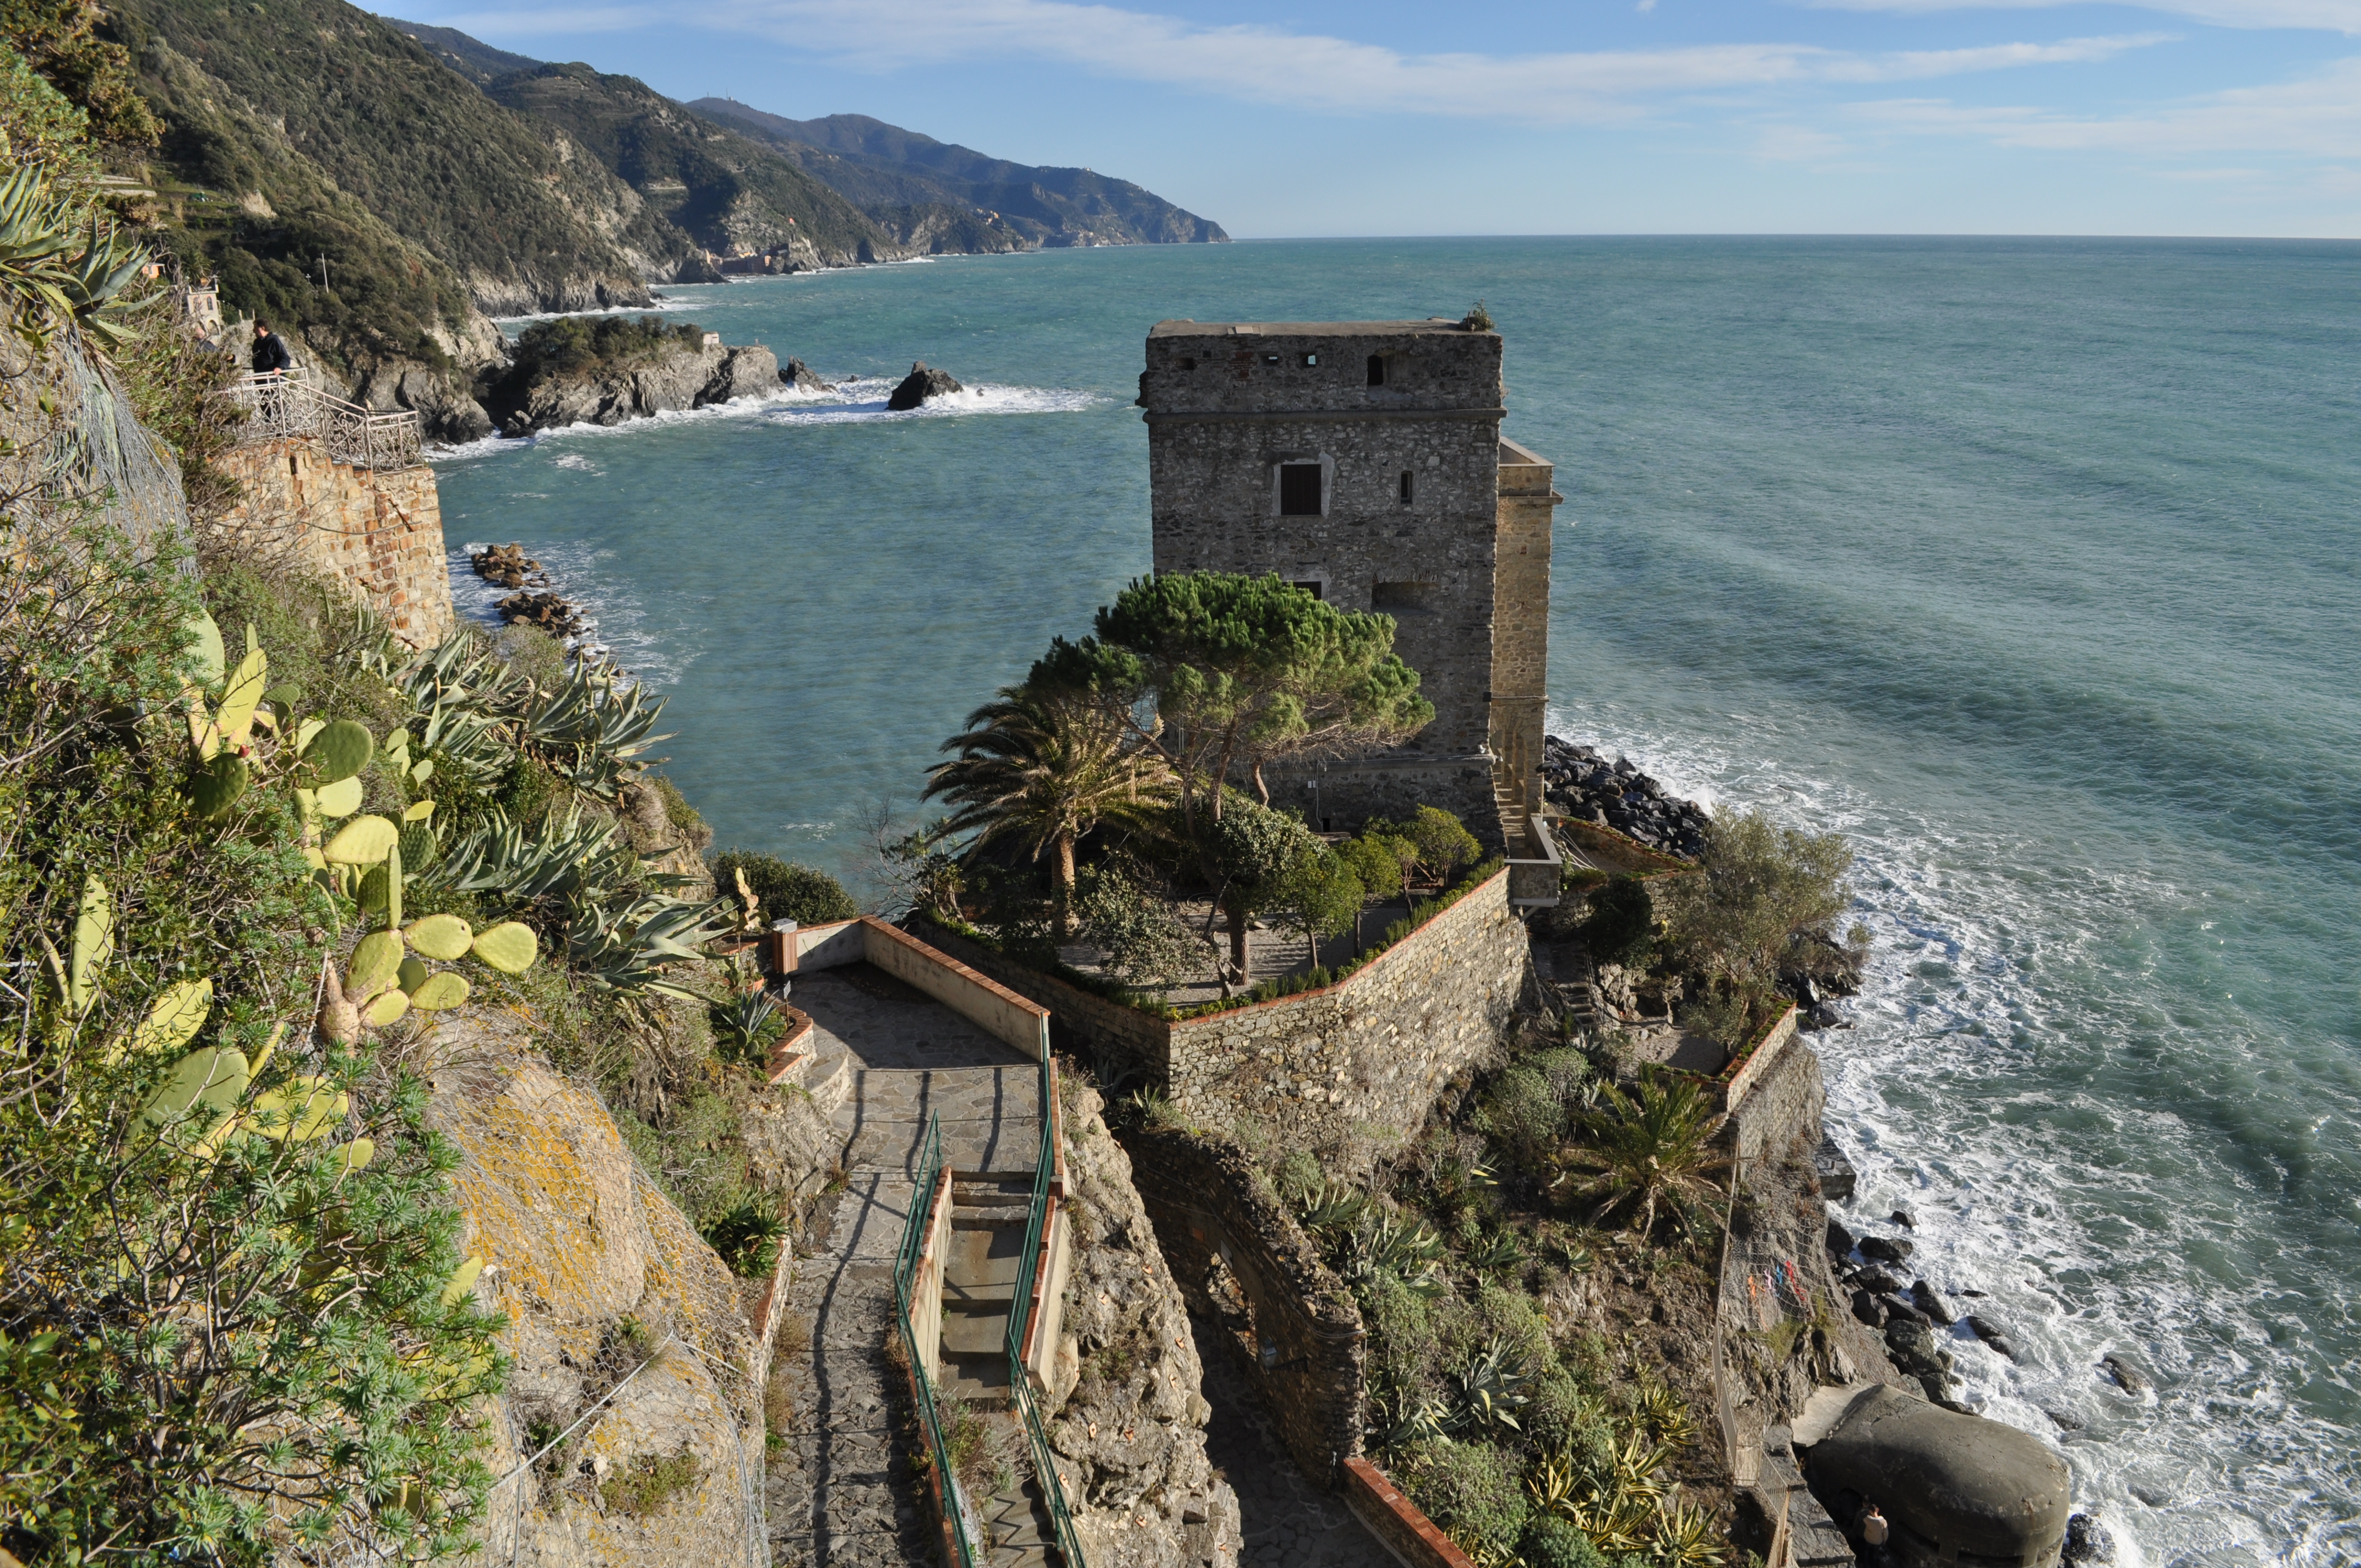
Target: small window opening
[1299,489]
[1270,358]
[1188,364]
[1407,479]
[1377,370]
[291,472]
[1311,359]
[1312,588]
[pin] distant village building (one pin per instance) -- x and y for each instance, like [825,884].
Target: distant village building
[1364,461]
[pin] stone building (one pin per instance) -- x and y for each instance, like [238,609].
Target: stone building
[1364,460]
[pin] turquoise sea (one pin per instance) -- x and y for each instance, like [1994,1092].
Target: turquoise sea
[2032,565]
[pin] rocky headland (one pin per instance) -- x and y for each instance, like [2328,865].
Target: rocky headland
[572,372]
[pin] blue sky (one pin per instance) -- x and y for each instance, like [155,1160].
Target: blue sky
[1582,116]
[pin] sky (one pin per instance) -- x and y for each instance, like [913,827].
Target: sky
[1382,117]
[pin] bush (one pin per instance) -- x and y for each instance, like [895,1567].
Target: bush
[788,890]
[1523,1116]
[1471,1490]
[1621,929]
[1551,1542]
[1562,1419]
[747,1237]
[1766,902]
[581,345]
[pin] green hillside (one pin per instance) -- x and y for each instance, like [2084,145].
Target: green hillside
[877,164]
[478,61]
[249,91]
[731,194]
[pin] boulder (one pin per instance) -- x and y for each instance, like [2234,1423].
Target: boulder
[1878,1281]
[1990,1333]
[2086,1542]
[1868,1309]
[1885,1249]
[1927,1299]
[1953,1484]
[921,384]
[752,371]
[1837,1175]
[797,374]
[1840,1240]
[2125,1374]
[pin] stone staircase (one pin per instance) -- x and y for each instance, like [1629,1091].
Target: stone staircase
[989,1209]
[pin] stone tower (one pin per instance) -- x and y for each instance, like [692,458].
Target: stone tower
[1364,460]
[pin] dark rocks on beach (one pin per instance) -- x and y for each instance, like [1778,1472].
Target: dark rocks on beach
[548,611]
[507,566]
[1879,1280]
[1822,1016]
[2127,1376]
[1898,1307]
[2086,1542]
[1868,1309]
[1990,1333]
[1929,1302]
[1840,1240]
[1886,1249]
[921,384]
[1904,1218]
[1837,1175]
[797,374]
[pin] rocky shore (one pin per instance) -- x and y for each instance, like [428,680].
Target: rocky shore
[1586,785]
[679,376]
[507,567]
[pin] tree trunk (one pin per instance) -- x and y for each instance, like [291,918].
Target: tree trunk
[1261,789]
[1062,872]
[1238,943]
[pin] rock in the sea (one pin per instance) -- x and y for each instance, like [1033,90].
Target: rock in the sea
[921,384]
[797,374]
[2125,1374]
[1904,1218]
[1990,1333]
[1885,1249]
[2087,1541]
[1880,1281]
[1930,1302]
[1899,1306]
[1837,1175]
[1821,1016]
[1840,1240]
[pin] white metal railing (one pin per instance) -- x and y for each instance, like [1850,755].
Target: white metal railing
[278,407]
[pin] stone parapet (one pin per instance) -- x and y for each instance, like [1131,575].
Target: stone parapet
[1394,1520]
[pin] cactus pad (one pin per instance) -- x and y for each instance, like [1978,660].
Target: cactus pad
[175,1017]
[419,811]
[306,1109]
[363,841]
[419,845]
[241,694]
[445,937]
[439,992]
[211,1078]
[410,977]
[508,946]
[355,1154]
[93,942]
[463,1280]
[339,751]
[220,784]
[374,963]
[339,799]
[388,1006]
[208,659]
[371,896]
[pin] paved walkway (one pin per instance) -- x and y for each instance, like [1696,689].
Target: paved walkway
[841,1492]
[1290,1522]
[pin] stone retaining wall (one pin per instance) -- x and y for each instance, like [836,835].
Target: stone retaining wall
[1360,1062]
[1243,1262]
[1395,1521]
[380,532]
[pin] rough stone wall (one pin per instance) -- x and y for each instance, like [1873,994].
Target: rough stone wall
[1520,597]
[575,1240]
[378,531]
[1356,1067]
[1130,1427]
[1244,1263]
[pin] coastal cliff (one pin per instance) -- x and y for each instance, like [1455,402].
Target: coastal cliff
[604,372]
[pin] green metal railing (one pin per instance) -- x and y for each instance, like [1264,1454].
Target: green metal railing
[906,1272]
[1020,1312]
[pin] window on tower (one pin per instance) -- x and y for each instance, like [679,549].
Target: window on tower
[1299,489]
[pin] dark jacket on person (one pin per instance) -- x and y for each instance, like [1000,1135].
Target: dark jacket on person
[270,354]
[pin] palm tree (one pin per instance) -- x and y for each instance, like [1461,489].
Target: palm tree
[1652,1150]
[1044,773]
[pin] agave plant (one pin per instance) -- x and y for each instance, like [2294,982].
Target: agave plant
[1413,1417]
[567,854]
[589,731]
[1331,1207]
[1648,1155]
[52,273]
[1656,1406]
[1490,1386]
[625,946]
[747,1026]
[1395,1245]
[1686,1537]
[1495,1256]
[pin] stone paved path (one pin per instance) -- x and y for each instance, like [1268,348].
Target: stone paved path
[842,1494]
[1290,1522]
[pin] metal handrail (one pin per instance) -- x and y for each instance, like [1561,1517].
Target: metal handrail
[278,407]
[1020,1379]
[906,1271]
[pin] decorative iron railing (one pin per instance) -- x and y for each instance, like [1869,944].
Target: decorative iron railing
[278,407]
[906,1272]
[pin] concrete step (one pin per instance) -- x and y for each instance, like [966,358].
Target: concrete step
[980,1380]
[982,1262]
[979,1330]
[829,1079]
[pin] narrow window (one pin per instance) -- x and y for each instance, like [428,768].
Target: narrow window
[1270,358]
[1377,370]
[1311,359]
[1299,489]
[1405,487]
[1312,588]
[291,467]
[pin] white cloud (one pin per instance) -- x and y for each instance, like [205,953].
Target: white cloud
[2328,15]
[2317,115]
[1298,69]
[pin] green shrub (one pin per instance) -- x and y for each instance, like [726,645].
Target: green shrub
[583,345]
[1551,1542]
[1524,1117]
[788,890]
[747,1237]
[1621,928]
[1564,1067]
[1765,904]
[1464,1327]
[1562,1419]
[1470,1489]
[677,810]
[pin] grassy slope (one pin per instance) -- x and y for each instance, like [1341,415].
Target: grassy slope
[730,193]
[854,151]
[485,191]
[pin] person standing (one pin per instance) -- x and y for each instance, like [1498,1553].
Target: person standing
[270,355]
[1873,1532]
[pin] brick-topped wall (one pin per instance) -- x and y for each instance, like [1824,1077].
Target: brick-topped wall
[380,532]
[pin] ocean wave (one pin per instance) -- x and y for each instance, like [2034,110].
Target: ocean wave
[614,617]
[1972,1091]
[855,401]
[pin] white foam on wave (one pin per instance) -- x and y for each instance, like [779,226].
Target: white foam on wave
[860,400]
[1930,1095]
